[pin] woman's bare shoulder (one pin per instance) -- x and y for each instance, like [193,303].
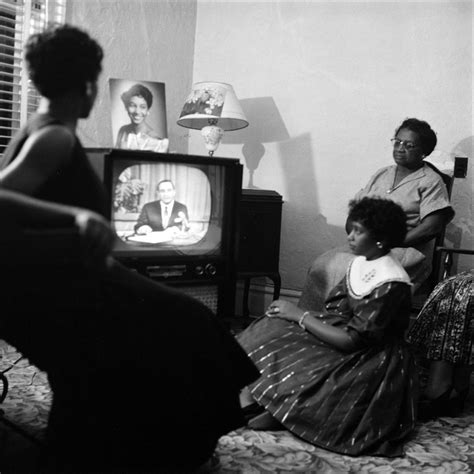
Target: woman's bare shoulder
[56,139]
[57,130]
[50,136]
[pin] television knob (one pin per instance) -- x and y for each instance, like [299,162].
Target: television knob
[199,270]
[211,269]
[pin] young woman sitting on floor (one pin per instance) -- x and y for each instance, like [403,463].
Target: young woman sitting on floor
[342,379]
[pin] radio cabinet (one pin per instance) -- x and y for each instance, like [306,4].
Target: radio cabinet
[258,251]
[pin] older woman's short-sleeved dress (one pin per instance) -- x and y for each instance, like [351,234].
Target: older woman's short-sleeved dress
[356,403]
[419,194]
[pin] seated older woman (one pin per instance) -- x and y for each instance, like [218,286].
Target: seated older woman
[419,189]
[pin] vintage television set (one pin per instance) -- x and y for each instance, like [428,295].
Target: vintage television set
[195,252]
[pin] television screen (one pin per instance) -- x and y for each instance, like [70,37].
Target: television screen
[165,205]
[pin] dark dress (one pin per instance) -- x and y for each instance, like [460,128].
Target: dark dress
[358,403]
[134,365]
[444,329]
[75,184]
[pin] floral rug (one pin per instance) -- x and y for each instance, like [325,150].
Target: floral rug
[442,446]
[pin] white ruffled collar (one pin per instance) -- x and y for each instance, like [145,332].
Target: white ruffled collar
[363,275]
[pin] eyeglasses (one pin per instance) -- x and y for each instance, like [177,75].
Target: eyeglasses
[408,146]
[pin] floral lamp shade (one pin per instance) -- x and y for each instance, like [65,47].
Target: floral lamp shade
[213,108]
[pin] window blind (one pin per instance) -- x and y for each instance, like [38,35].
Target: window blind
[18,20]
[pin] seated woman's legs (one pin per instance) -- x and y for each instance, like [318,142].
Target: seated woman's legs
[440,379]
[446,390]
[462,379]
[246,398]
[444,376]
[265,421]
[256,416]
[442,333]
[124,341]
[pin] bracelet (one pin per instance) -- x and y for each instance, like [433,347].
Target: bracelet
[300,322]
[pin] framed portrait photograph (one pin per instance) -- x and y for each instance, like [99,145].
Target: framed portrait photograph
[138,112]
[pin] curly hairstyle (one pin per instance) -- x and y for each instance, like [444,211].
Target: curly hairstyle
[61,59]
[137,90]
[384,219]
[426,134]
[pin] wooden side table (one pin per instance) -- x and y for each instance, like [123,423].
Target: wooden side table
[259,239]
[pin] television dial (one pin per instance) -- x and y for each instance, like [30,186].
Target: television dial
[199,270]
[211,269]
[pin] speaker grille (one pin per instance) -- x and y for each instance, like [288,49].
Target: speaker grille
[206,294]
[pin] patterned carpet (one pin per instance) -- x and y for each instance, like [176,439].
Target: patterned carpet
[442,446]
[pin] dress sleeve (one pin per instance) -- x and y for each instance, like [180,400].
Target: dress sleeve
[368,187]
[363,192]
[434,197]
[380,315]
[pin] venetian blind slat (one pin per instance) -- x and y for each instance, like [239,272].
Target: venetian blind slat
[18,98]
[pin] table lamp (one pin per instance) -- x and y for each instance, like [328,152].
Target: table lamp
[213,108]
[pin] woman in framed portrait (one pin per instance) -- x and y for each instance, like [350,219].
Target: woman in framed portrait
[138,134]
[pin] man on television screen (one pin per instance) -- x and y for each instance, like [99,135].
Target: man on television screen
[163,213]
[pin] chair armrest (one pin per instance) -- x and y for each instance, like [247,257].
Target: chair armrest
[448,258]
[453,250]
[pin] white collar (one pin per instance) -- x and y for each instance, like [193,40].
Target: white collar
[363,275]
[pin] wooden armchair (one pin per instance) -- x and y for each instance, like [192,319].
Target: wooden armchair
[439,239]
[445,255]
[442,269]
[442,258]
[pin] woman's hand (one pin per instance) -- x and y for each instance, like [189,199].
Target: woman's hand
[97,238]
[285,310]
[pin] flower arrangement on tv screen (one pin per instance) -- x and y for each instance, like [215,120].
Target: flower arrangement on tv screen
[127,193]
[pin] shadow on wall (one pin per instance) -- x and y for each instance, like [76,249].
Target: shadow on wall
[306,232]
[460,232]
[265,126]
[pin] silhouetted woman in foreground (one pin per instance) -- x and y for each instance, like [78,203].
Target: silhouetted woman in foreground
[144,377]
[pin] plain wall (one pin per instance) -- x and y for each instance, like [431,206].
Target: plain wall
[324,85]
[143,40]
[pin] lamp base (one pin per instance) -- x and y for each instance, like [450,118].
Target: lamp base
[212,135]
